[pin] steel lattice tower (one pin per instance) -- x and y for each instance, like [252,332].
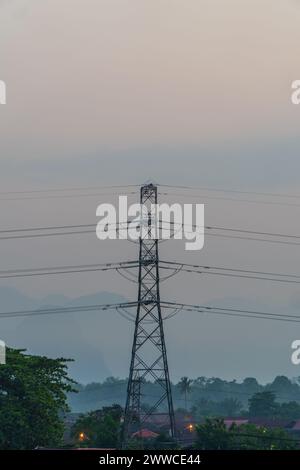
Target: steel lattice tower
[149,357]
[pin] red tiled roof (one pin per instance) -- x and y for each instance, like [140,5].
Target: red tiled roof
[145,434]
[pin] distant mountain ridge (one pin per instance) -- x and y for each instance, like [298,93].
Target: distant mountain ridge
[79,336]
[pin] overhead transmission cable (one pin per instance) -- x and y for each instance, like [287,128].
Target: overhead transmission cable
[60,230]
[175,306]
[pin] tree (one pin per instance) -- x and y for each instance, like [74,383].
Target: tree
[207,408]
[250,385]
[290,410]
[214,435]
[263,404]
[230,407]
[251,437]
[204,408]
[281,385]
[99,428]
[185,388]
[32,400]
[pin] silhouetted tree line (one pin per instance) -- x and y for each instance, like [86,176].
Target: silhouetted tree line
[204,396]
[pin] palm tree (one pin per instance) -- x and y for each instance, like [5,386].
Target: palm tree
[185,387]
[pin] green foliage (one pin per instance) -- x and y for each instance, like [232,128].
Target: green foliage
[213,435]
[290,410]
[206,397]
[161,442]
[185,387]
[100,428]
[184,384]
[32,400]
[263,405]
[134,444]
[249,437]
[208,408]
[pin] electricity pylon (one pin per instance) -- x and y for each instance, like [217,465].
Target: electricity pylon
[149,356]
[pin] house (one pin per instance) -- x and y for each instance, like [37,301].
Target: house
[145,434]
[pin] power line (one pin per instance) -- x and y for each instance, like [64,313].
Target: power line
[242,315]
[225,198]
[104,187]
[234,312]
[262,240]
[60,227]
[166,265]
[47,227]
[23,233]
[187,307]
[240,230]
[177,263]
[62,310]
[80,232]
[229,309]
[236,273]
[253,232]
[74,188]
[240,237]
[232,229]
[148,304]
[256,193]
[68,269]
[42,235]
[116,227]
[65,196]
[50,234]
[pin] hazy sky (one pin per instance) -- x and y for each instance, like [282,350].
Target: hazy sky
[187,92]
[118,75]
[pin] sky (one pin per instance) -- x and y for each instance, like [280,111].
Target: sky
[103,92]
